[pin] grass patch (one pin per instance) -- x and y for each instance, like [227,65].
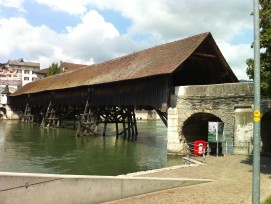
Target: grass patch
[268,201]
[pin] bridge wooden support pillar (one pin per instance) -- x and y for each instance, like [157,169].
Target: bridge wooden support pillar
[163,116]
[28,116]
[50,119]
[87,122]
[124,115]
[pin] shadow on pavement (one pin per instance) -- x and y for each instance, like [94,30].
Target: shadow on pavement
[265,164]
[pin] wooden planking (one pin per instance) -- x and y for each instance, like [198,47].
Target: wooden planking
[152,92]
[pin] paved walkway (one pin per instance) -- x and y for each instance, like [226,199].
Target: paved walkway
[232,185]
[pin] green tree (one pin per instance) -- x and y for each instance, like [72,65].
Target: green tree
[265,45]
[53,69]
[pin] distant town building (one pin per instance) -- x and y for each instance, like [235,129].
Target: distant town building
[25,70]
[4,95]
[17,73]
[42,73]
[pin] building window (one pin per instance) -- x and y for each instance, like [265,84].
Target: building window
[34,78]
[26,71]
[26,78]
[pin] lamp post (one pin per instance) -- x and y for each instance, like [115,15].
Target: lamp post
[257,108]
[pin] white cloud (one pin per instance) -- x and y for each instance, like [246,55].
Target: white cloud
[73,7]
[90,37]
[90,41]
[171,19]
[94,39]
[236,56]
[18,4]
[19,36]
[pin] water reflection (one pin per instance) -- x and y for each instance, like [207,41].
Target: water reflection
[26,147]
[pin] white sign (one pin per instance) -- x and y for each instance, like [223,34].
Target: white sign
[215,131]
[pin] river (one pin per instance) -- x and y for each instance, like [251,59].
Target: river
[26,147]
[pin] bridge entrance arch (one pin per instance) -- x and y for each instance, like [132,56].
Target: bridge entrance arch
[266,132]
[194,106]
[196,126]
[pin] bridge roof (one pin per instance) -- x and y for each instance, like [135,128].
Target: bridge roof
[159,60]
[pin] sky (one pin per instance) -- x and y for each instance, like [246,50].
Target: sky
[93,31]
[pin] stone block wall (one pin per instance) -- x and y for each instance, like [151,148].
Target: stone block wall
[10,114]
[231,103]
[175,146]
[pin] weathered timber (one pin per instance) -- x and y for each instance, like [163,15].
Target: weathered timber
[163,116]
[118,115]
[87,122]
[50,119]
[28,116]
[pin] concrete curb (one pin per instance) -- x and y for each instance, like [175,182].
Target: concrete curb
[52,188]
[158,170]
[139,173]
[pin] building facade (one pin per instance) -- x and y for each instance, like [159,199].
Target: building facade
[25,70]
[17,73]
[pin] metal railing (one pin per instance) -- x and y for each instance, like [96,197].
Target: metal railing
[230,147]
[195,153]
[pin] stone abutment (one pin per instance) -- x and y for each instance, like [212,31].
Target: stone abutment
[192,107]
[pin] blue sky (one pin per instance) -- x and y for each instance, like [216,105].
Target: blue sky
[90,31]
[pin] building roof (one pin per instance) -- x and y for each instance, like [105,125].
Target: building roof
[64,67]
[21,62]
[42,71]
[159,60]
[67,67]
[3,64]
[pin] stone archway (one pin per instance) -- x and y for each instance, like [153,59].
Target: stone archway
[266,132]
[196,126]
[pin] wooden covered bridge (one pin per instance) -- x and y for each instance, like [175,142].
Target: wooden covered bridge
[110,91]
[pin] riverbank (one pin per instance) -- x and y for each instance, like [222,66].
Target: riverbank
[232,177]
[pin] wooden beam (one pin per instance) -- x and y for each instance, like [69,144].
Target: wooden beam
[162,115]
[203,55]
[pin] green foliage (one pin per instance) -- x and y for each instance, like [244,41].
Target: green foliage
[268,201]
[265,44]
[53,69]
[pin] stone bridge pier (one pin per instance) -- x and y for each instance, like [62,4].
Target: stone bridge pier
[192,107]
[6,112]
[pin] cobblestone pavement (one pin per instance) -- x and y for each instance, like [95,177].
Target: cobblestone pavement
[232,185]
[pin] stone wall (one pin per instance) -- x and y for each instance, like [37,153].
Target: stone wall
[229,103]
[175,145]
[7,113]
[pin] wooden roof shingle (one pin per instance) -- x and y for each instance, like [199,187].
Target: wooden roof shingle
[159,60]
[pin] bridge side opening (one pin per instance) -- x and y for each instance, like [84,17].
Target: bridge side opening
[196,126]
[266,132]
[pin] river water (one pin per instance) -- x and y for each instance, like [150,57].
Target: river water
[26,147]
